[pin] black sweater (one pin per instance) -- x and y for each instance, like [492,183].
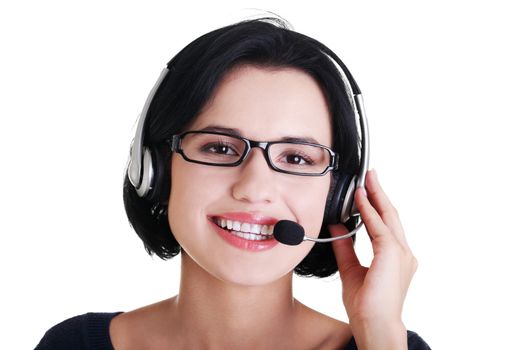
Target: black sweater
[91,332]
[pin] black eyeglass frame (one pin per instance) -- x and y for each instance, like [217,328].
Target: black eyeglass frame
[175,144]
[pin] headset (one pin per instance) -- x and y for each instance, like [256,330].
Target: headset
[145,170]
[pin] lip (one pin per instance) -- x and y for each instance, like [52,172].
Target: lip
[239,242]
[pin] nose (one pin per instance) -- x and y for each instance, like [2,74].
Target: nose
[255,182]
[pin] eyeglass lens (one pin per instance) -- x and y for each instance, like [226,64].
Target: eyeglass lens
[224,150]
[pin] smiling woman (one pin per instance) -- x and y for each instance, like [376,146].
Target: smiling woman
[249,125]
[265,105]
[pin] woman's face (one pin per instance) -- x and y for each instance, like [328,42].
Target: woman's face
[263,104]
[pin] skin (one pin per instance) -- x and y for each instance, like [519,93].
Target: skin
[235,299]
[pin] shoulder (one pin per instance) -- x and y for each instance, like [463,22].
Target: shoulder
[79,332]
[324,332]
[415,342]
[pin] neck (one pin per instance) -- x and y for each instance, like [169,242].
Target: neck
[222,314]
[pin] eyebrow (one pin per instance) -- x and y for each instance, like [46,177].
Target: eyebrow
[237,132]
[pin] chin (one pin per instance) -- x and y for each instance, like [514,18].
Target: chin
[248,272]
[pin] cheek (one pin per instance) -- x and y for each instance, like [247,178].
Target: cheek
[192,188]
[309,201]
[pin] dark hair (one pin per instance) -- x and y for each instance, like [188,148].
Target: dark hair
[193,75]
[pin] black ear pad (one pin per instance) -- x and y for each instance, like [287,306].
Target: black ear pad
[158,187]
[328,204]
[336,197]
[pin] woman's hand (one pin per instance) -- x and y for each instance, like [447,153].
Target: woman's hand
[374,296]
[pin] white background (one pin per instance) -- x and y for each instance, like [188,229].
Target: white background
[443,84]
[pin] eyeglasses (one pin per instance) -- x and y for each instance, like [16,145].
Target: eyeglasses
[221,149]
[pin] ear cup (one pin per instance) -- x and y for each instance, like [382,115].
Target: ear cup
[336,198]
[330,196]
[157,184]
[144,178]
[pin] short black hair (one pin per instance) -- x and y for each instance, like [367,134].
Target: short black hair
[193,75]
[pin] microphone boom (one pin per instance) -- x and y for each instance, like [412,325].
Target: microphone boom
[291,233]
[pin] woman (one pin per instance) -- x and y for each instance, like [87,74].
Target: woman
[216,189]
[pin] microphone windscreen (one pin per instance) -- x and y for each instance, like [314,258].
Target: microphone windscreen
[288,232]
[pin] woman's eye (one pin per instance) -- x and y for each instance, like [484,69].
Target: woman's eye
[297,159]
[219,149]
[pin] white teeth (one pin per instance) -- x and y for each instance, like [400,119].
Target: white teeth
[255,228]
[246,230]
[267,230]
[236,226]
[249,236]
[245,227]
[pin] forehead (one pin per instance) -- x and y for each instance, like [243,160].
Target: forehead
[268,104]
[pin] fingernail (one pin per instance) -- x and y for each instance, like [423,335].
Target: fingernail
[374,174]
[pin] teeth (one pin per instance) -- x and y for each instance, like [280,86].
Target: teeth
[236,226]
[245,227]
[250,236]
[246,230]
[255,228]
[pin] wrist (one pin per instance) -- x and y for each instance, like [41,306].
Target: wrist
[379,334]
